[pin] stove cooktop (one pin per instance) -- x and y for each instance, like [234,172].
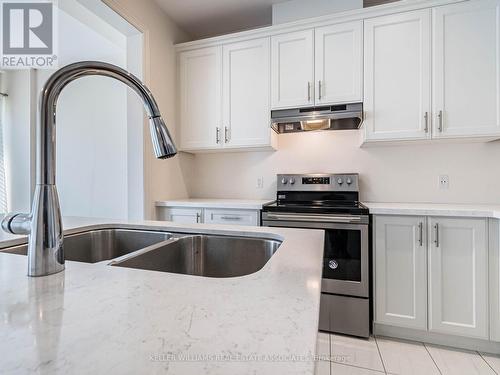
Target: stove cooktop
[318,207]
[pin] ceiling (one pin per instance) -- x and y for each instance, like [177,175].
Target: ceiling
[205,18]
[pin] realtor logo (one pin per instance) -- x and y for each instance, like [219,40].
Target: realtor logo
[28,34]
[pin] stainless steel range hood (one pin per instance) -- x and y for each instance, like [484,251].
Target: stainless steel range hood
[336,117]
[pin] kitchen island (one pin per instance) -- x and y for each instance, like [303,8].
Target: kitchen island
[100,319]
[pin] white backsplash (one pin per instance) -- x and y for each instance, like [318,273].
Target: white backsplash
[405,173]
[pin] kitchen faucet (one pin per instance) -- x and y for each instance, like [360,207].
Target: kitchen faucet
[43,225]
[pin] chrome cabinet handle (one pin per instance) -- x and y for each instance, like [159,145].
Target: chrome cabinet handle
[308,91]
[231,218]
[198,217]
[426,119]
[217,135]
[440,121]
[319,89]
[436,240]
[421,233]
[227,135]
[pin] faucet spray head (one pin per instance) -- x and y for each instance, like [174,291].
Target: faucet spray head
[162,141]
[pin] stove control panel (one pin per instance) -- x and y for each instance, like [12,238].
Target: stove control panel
[318,182]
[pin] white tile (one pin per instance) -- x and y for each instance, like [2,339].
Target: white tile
[322,368]
[323,346]
[459,362]
[493,360]
[339,369]
[405,357]
[356,352]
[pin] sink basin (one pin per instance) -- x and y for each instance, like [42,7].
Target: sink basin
[103,244]
[205,255]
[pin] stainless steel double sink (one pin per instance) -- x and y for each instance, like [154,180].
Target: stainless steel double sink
[199,254]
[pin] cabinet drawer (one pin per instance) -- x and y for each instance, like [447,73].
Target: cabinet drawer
[180,215]
[227,216]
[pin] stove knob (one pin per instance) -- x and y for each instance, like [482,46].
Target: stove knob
[291,181]
[340,181]
[284,181]
[348,181]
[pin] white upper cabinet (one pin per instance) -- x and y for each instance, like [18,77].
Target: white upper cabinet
[292,69]
[225,97]
[200,97]
[458,277]
[422,74]
[397,80]
[339,63]
[400,258]
[466,73]
[246,102]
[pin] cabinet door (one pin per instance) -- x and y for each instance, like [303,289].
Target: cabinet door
[338,63]
[400,271]
[458,277]
[397,80]
[292,69]
[246,80]
[494,262]
[466,74]
[200,97]
[180,215]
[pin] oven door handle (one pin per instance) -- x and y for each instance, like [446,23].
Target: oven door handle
[315,218]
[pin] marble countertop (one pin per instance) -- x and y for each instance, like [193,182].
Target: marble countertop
[434,209]
[243,204]
[99,319]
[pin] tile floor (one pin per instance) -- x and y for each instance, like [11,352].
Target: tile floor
[381,355]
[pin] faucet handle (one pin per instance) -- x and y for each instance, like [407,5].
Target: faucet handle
[17,223]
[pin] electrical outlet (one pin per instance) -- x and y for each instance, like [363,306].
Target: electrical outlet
[260,183]
[444,182]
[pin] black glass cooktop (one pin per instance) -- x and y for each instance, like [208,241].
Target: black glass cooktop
[319,207]
[317,202]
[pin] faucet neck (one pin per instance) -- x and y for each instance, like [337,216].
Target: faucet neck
[46,130]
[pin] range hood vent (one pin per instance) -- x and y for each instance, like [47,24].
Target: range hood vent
[336,117]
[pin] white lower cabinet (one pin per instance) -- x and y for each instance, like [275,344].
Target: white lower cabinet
[180,215]
[189,215]
[458,277]
[494,262]
[431,273]
[400,271]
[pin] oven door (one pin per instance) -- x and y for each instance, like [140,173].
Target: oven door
[345,259]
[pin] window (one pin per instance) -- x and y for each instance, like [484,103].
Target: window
[3,187]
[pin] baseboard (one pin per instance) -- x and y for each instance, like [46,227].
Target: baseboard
[437,338]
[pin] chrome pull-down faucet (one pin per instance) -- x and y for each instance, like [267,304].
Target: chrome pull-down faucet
[43,225]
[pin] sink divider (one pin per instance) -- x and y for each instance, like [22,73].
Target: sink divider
[144,250]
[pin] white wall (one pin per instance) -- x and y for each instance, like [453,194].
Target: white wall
[388,173]
[135,133]
[92,145]
[292,10]
[163,179]
[91,132]
[17,139]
